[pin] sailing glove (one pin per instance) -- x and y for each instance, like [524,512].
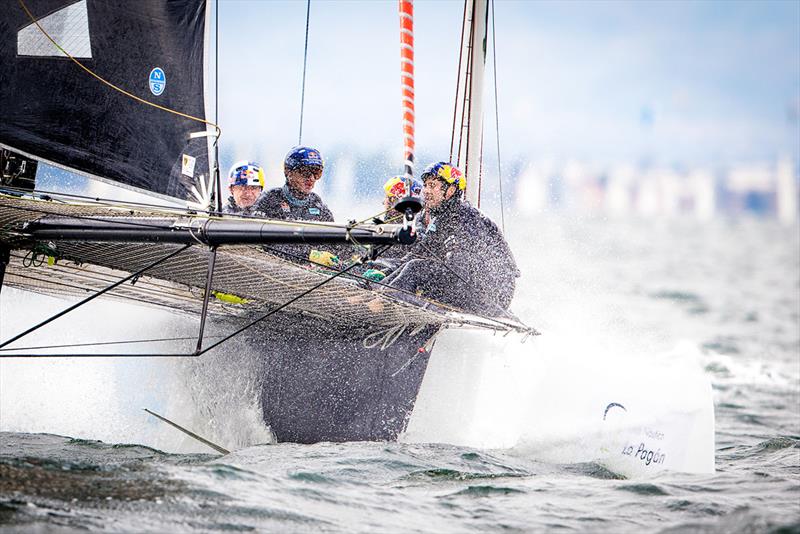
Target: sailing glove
[323,257]
[374,274]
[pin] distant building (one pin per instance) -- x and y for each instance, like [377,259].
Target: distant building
[630,190]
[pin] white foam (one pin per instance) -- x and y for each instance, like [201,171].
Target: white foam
[103,398]
[547,398]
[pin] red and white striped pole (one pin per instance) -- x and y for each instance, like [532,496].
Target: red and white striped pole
[407,81]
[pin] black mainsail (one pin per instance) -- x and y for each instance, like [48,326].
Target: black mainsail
[54,110]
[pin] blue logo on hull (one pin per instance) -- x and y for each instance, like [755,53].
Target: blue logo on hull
[158,81]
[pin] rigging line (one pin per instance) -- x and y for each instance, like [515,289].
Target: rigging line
[58,197]
[282,254]
[279,308]
[93,218]
[47,281]
[398,289]
[40,194]
[212,260]
[96,217]
[98,343]
[104,202]
[466,110]
[94,296]
[217,180]
[278,222]
[81,275]
[111,85]
[216,62]
[497,122]
[465,102]
[104,355]
[353,224]
[458,80]
[305,62]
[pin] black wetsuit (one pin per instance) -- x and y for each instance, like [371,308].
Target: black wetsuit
[462,260]
[279,203]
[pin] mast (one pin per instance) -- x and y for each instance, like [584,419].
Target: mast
[473,46]
[407,82]
[409,205]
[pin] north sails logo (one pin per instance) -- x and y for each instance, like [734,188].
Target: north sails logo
[157,81]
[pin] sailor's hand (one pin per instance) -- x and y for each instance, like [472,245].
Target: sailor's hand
[323,257]
[374,274]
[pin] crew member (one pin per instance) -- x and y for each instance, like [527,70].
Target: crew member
[462,259]
[296,200]
[395,189]
[246,183]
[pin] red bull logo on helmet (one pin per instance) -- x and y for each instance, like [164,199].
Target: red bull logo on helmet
[303,156]
[395,188]
[447,172]
[246,173]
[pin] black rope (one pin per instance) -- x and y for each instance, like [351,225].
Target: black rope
[98,343]
[51,282]
[223,339]
[466,104]
[458,80]
[282,253]
[353,276]
[45,195]
[217,179]
[93,218]
[497,122]
[432,256]
[279,308]
[77,271]
[305,61]
[93,296]
[324,224]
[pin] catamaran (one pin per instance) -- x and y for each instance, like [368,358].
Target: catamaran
[75,96]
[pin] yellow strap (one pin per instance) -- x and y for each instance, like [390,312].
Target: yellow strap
[229,298]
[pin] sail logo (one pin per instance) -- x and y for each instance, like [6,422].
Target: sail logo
[158,81]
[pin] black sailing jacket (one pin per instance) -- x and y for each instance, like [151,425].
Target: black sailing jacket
[278,203]
[462,260]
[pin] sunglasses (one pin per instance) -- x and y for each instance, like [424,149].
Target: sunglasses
[310,172]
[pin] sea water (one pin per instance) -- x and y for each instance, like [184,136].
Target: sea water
[505,435]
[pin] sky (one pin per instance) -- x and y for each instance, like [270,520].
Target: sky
[679,83]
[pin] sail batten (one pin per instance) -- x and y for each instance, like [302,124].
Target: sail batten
[57,112]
